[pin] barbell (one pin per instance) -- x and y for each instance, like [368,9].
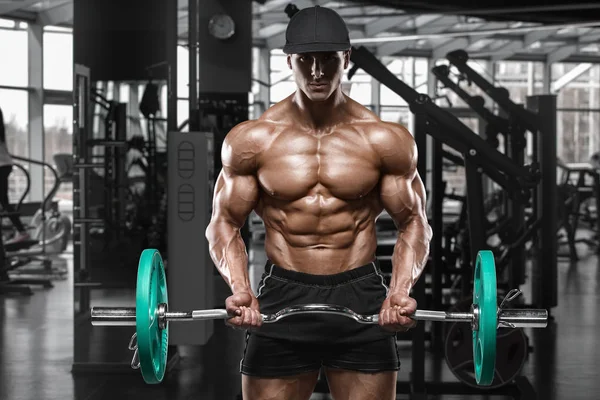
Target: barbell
[151,316]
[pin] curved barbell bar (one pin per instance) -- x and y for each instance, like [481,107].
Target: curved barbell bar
[514,318]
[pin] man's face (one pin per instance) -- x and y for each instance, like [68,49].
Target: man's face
[318,75]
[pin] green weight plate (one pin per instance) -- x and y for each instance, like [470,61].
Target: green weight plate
[151,291]
[485,298]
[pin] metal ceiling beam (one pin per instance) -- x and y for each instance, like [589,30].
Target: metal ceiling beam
[477,32]
[425,25]
[418,6]
[383,24]
[8,7]
[450,45]
[57,15]
[591,37]
[513,47]
[560,54]
[570,76]
[273,4]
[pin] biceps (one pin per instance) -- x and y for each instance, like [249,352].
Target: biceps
[403,198]
[235,197]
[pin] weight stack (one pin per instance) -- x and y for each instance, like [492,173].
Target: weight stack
[190,174]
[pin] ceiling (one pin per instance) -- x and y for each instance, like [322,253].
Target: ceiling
[500,30]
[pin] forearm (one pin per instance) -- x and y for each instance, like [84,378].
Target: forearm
[228,252]
[410,255]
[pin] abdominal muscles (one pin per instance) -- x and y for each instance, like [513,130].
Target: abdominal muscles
[319,233]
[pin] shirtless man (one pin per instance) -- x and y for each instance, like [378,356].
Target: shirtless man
[319,168]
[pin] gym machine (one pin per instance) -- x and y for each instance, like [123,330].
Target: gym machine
[479,157]
[9,284]
[49,235]
[539,118]
[511,225]
[111,150]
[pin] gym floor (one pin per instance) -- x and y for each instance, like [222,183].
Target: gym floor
[36,345]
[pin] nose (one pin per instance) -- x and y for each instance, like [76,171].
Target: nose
[316,69]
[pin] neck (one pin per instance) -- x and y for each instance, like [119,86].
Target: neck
[320,114]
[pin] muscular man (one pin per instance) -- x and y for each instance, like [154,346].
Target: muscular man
[319,168]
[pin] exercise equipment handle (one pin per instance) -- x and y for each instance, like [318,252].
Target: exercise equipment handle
[513,318]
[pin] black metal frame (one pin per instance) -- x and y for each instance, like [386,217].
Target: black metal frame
[514,143]
[539,118]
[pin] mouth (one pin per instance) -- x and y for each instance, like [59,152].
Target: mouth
[319,85]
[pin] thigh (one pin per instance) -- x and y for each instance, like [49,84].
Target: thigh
[294,387]
[355,385]
[270,361]
[364,356]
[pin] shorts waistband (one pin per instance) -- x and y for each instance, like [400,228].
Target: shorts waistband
[322,280]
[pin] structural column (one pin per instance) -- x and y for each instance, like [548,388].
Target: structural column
[36,142]
[376,100]
[262,99]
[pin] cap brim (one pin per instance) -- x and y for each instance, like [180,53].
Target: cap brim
[314,47]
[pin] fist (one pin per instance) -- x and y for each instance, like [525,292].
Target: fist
[395,312]
[244,311]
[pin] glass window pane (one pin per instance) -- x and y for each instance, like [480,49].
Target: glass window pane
[58,134]
[577,135]
[399,115]
[58,61]
[183,68]
[13,69]
[520,78]
[389,98]
[7,23]
[581,89]
[282,90]
[361,92]
[183,113]
[16,117]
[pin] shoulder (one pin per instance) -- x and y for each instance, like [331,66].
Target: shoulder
[395,146]
[244,143]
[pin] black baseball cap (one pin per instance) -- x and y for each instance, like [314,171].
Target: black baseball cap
[316,29]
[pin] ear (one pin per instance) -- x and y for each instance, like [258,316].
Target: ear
[289,61]
[347,58]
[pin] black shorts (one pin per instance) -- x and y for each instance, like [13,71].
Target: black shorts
[303,343]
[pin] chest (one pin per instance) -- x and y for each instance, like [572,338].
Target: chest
[343,165]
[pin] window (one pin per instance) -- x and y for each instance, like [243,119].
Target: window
[577,135]
[281,90]
[398,115]
[14,65]
[58,137]
[359,88]
[282,82]
[521,79]
[582,89]
[16,117]
[402,68]
[183,75]
[183,112]
[14,105]
[58,61]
